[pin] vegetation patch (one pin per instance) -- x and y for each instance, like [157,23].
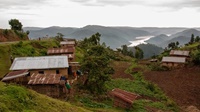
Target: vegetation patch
[20,99]
[143,88]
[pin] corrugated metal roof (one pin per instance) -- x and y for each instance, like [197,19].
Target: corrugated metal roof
[43,62]
[15,74]
[74,64]
[174,59]
[67,42]
[124,95]
[179,53]
[69,50]
[44,79]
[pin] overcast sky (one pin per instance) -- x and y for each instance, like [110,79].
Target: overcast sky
[78,13]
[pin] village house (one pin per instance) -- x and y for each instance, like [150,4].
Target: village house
[69,52]
[179,53]
[123,98]
[173,61]
[47,84]
[42,65]
[67,44]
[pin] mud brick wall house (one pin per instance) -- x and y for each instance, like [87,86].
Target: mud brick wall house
[178,53]
[19,77]
[123,98]
[69,52]
[173,61]
[47,84]
[42,65]
[66,44]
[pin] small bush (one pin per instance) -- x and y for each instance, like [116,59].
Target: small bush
[158,67]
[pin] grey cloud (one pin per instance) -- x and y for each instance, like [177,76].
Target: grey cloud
[25,14]
[107,2]
[20,4]
[119,2]
[173,4]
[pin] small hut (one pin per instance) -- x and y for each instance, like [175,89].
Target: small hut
[66,44]
[173,61]
[123,98]
[47,84]
[19,77]
[179,53]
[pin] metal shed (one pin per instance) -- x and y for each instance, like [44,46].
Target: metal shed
[19,77]
[179,53]
[123,98]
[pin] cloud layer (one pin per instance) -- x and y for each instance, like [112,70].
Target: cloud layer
[159,3]
[20,4]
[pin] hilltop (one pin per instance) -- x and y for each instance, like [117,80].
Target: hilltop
[7,35]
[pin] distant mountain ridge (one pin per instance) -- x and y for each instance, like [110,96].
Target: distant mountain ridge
[113,36]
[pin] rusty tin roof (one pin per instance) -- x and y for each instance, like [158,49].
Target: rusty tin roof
[179,53]
[69,50]
[44,79]
[67,43]
[15,74]
[42,62]
[174,59]
[124,95]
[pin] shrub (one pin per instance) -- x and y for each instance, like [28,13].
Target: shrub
[158,67]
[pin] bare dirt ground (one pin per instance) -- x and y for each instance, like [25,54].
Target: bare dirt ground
[182,85]
[120,68]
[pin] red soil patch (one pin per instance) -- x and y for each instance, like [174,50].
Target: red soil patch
[120,67]
[182,85]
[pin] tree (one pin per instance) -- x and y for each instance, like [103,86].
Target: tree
[192,39]
[138,53]
[197,39]
[59,37]
[15,24]
[177,43]
[196,57]
[96,63]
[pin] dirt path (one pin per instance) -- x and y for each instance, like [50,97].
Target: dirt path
[182,85]
[120,68]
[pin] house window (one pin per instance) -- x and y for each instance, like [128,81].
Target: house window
[57,72]
[29,74]
[41,72]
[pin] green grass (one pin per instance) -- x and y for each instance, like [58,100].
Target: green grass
[143,88]
[4,59]
[19,99]
[79,54]
[191,46]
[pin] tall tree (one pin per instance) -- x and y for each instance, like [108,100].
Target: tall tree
[139,54]
[15,24]
[192,39]
[96,64]
[197,39]
[59,37]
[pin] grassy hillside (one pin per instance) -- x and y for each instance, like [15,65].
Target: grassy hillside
[151,96]
[11,35]
[19,99]
[15,98]
[21,49]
